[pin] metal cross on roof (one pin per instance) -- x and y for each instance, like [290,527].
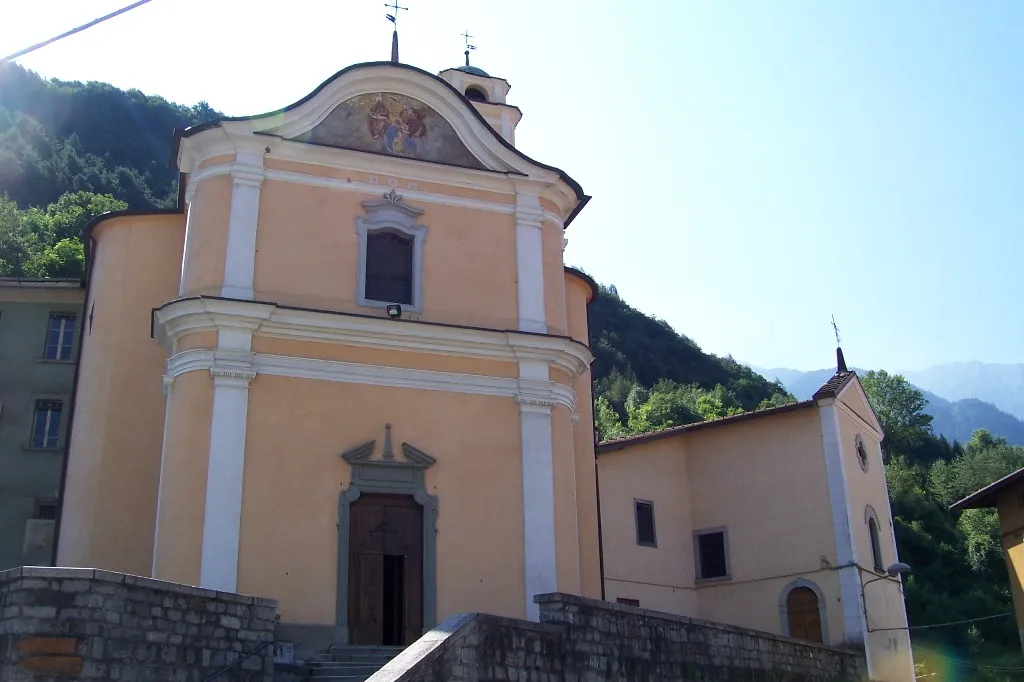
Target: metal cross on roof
[468,46]
[393,18]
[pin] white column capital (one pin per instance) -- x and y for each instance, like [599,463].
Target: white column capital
[231,378]
[530,405]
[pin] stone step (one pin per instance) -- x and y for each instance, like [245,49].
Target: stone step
[351,663]
[346,669]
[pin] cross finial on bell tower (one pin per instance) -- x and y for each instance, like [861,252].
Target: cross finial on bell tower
[468,46]
[840,360]
[393,18]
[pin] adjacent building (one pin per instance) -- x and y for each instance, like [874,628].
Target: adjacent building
[1006,496]
[776,520]
[39,322]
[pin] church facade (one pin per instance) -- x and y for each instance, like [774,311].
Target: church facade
[351,373]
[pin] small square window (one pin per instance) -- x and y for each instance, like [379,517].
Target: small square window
[645,535]
[46,510]
[712,554]
[46,425]
[60,336]
[627,602]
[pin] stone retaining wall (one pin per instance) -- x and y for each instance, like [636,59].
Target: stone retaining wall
[84,624]
[585,640]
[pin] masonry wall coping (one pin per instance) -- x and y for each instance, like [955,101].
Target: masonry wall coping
[101,575]
[563,598]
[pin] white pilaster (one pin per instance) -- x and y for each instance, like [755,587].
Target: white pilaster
[223,513]
[240,260]
[538,492]
[854,627]
[530,263]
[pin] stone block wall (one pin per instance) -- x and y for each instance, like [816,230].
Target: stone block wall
[585,640]
[84,624]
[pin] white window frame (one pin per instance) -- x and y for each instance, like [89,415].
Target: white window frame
[60,426]
[391,215]
[60,341]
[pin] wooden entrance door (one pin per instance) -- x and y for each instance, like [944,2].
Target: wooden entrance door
[385,587]
[803,614]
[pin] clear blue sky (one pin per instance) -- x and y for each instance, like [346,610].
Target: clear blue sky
[756,167]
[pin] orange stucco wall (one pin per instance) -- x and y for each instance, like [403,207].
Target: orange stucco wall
[660,578]
[586,490]
[554,279]
[577,294]
[114,458]
[207,238]
[469,267]
[296,432]
[183,479]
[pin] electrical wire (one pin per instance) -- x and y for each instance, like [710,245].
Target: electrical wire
[942,625]
[72,31]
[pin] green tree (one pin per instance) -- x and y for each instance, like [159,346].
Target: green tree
[606,421]
[900,408]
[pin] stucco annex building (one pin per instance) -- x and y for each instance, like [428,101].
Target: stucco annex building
[351,373]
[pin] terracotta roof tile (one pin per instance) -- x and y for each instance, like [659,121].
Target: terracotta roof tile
[832,387]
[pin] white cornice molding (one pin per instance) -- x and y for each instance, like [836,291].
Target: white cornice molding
[430,174]
[256,133]
[185,316]
[243,366]
[867,426]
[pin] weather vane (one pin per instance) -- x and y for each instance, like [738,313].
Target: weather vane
[468,46]
[836,328]
[393,18]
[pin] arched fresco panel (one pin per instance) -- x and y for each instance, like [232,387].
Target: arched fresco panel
[392,124]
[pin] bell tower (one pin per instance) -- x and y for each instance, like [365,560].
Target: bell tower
[486,93]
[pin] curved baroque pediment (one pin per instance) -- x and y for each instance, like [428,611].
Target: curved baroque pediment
[394,124]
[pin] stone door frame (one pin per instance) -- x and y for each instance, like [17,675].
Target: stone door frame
[395,477]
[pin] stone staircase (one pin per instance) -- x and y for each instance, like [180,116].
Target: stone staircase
[347,663]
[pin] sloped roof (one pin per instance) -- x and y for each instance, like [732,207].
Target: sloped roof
[832,387]
[620,443]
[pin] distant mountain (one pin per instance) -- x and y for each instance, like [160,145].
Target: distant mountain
[1001,385]
[954,419]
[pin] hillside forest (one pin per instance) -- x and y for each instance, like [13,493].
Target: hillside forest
[70,151]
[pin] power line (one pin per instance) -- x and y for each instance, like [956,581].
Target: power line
[72,32]
[942,625]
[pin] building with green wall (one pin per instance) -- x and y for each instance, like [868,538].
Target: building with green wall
[39,328]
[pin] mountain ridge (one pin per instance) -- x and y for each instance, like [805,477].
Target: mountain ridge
[955,419]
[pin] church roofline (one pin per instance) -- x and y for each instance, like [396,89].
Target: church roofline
[181,133]
[594,289]
[493,78]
